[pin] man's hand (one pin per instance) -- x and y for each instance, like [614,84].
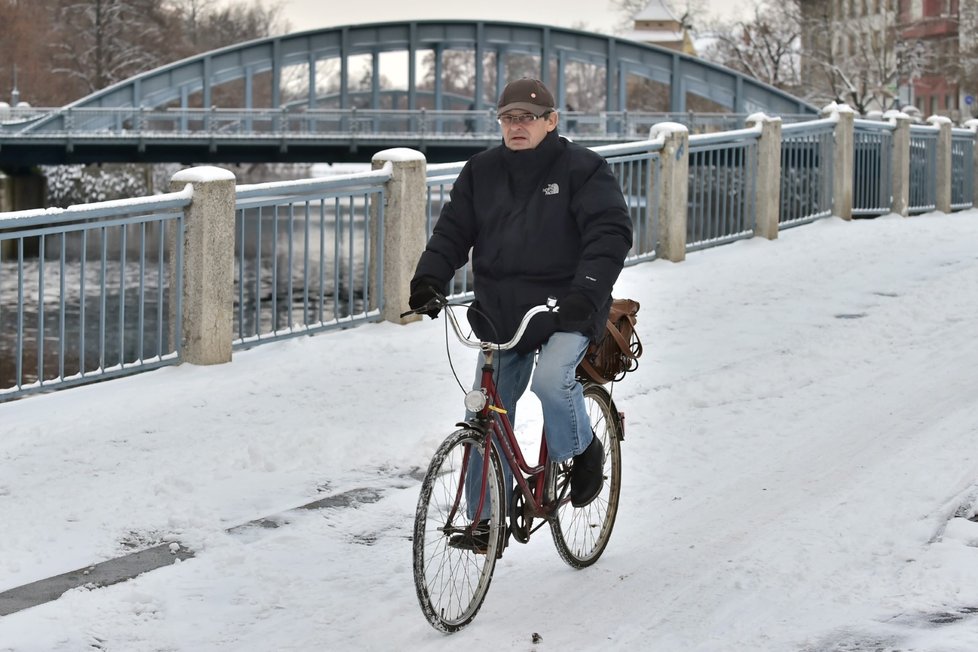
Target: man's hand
[574,311]
[424,291]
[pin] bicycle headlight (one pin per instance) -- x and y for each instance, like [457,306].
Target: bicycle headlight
[475,400]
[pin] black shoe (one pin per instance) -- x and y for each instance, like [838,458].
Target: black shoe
[587,474]
[476,540]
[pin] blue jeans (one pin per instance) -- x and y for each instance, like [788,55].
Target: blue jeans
[566,423]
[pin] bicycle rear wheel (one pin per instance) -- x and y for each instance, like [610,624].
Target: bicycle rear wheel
[581,535]
[452,580]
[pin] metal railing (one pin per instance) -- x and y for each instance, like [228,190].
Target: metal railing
[807,150]
[636,166]
[308,256]
[722,187]
[94,292]
[872,186]
[962,168]
[439,182]
[302,121]
[923,169]
[86,292]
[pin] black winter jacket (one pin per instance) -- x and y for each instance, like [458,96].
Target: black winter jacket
[541,222]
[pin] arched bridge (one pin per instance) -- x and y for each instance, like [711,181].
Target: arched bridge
[343,93]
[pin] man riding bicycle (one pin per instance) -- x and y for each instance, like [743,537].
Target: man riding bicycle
[542,216]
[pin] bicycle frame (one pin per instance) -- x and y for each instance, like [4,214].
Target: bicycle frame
[495,421]
[492,420]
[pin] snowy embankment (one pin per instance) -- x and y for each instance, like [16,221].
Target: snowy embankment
[801,462]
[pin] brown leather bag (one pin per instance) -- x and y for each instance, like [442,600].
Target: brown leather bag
[617,351]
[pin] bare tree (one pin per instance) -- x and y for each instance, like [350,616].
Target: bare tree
[25,64]
[99,42]
[862,62]
[765,47]
[189,14]
[968,53]
[803,48]
[236,23]
[64,49]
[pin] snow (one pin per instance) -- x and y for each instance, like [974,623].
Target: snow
[203,174]
[355,172]
[800,471]
[399,155]
[660,130]
[834,109]
[756,120]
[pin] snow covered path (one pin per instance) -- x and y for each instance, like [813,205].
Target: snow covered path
[801,474]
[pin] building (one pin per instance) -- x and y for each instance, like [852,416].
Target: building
[934,25]
[883,54]
[657,25]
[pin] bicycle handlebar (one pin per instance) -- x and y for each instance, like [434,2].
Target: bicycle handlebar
[441,302]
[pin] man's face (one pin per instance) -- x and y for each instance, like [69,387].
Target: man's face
[521,132]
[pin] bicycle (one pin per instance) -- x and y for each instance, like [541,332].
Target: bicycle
[452,581]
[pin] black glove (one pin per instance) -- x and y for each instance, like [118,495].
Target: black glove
[425,289]
[574,311]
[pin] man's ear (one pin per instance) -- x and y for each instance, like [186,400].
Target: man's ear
[552,121]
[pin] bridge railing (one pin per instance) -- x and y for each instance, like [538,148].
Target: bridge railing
[872,177]
[306,256]
[962,168]
[86,293]
[722,190]
[299,121]
[438,187]
[923,166]
[637,166]
[98,291]
[807,150]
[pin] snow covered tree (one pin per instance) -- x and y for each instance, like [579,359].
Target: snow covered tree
[823,52]
[858,60]
[766,46]
[100,42]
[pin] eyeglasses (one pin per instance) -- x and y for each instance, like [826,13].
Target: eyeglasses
[521,119]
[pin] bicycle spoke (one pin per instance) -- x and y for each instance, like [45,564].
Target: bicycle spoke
[452,581]
[582,534]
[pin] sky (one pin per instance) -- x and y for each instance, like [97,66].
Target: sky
[800,474]
[597,15]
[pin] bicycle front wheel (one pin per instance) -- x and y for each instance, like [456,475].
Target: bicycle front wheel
[581,535]
[451,573]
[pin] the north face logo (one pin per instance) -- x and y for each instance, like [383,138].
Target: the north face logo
[551,189]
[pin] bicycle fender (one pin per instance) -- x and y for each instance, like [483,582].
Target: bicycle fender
[474,424]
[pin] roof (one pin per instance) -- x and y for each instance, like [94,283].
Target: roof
[655,10]
[653,35]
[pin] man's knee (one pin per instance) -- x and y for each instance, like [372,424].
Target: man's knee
[550,381]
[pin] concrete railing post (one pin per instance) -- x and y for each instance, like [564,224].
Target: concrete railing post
[673,189]
[942,175]
[768,187]
[208,265]
[972,125]
[900,163]
[842,165]
[405,212]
